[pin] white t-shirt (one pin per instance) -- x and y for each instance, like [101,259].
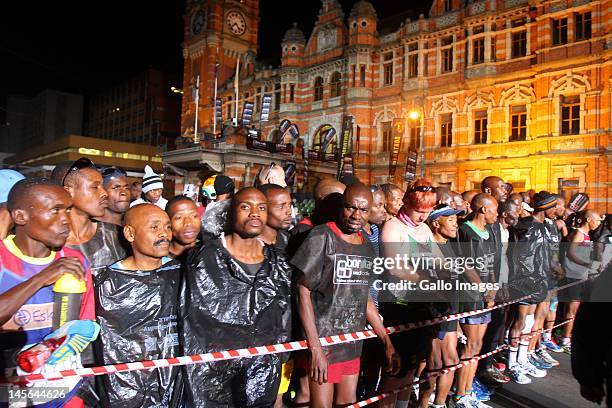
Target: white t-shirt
[503,268]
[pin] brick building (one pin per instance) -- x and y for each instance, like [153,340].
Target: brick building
[516,88]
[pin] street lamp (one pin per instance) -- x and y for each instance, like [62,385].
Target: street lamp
[416,115]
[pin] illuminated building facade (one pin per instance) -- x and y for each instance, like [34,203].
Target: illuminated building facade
[515,88]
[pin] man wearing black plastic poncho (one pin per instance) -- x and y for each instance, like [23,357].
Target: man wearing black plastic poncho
[236,294]
[136,306]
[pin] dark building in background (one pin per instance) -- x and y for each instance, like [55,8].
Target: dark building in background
[33,121]
[144,109]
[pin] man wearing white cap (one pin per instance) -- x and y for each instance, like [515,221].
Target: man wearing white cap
[152,188]
[8,178]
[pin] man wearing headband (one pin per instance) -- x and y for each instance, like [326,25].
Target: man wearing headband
[116,184]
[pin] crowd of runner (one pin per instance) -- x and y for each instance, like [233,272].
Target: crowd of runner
[217,269]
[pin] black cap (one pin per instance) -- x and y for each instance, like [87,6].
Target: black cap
[544,200]
[224,185]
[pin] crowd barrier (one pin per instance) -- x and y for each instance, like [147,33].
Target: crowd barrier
[248,352]
[382,396]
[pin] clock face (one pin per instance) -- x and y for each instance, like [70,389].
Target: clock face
[236,22]
[198,22]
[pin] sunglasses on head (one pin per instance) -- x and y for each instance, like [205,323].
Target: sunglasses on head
[375,187]
[108,171]
[79,164]
[422,189]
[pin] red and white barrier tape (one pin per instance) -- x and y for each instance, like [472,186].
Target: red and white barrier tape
[246,352]
[382,396]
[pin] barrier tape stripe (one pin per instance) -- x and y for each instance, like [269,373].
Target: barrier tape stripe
[382,396]
[249,352]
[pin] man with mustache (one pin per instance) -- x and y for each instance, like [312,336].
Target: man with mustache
[30,263]
[335,274]
[98,241]
[185,221]
[136,306]
[118,189]
[236,294]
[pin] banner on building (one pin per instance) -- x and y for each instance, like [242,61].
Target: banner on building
[346,146]
[266,102]
[397,131]
[411,166]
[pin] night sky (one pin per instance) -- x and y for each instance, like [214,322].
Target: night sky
[86,46]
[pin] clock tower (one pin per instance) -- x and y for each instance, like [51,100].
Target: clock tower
[216,32]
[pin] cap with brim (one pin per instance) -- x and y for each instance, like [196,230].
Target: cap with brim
[8,178]
[444,212]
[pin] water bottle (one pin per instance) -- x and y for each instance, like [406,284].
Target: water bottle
[67,296]
[36,356]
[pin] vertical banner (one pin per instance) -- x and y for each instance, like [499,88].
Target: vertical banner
[329,136]
[397,130]
[357,140]
[218,112]
[346,147]
[411,166]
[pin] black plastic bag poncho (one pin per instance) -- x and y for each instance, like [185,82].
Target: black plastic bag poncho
[530,261]
[137,312]
[338,275]
[224,307]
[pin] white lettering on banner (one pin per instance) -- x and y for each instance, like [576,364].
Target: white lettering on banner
[352,269]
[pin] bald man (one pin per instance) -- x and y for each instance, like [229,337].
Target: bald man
[467,197]
[236,294]
[476,241]
[496,187]
[329,302]
[137,308]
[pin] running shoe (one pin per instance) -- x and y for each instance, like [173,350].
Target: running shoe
[552,346]
[532,370]
[436,406]
[517,375]
[480,404]
[538,362]
[466,401]
[567,348]
[545,355]
[480,391]
[493,375]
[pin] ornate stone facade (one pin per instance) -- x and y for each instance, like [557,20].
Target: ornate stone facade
[510,87]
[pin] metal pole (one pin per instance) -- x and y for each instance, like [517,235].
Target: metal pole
[215,97]
[197,102]
[422,146]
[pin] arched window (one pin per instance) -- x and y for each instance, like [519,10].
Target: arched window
[325,135]
[335,84]
[318,88]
